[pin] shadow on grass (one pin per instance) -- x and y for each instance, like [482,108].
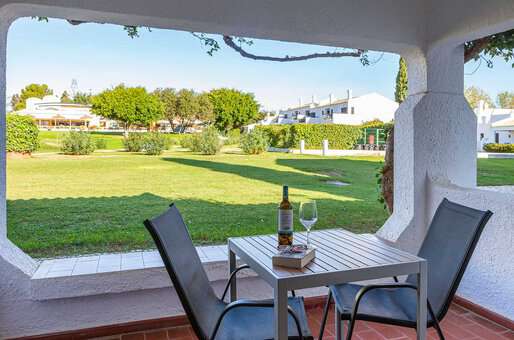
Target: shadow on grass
[70,226]
[311,174]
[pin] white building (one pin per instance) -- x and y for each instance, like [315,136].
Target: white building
[494,125]
[50,113]
[350,110]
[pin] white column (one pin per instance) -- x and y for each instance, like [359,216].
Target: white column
[302,146]
[434,139]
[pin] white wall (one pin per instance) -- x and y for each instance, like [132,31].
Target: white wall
[489,279]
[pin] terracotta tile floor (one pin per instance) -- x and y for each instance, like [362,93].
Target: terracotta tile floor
[459,324]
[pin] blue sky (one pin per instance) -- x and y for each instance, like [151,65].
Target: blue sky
[101,56]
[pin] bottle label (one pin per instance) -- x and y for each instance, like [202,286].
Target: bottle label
[285,220]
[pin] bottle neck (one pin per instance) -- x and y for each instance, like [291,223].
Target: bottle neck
[285,193]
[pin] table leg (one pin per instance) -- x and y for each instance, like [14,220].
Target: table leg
[421,327]
[280,312]
[231,268]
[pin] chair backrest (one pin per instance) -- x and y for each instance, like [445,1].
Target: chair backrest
[200,303]
[447,247]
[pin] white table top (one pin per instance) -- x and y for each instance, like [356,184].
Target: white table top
[338,252]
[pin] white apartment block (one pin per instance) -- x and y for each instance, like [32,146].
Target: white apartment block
[350,110]
[494,125]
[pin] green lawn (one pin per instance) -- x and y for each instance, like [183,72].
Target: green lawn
[63,205]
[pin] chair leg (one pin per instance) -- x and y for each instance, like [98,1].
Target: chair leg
[339,324]
[325,314]
[351,326]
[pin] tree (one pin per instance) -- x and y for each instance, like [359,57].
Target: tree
[15,99]
[65,97]
[184,107]
[475,94]
[82,98]
[30,91]
[233,109]
[505,100]
[129,105]
[401,82]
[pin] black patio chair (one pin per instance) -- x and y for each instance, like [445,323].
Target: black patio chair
[447,247]
[210,316]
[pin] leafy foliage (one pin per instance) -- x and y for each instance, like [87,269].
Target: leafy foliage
[233,137]
[505,100]
[82,98]
[184,107]
[77,143]
[233,108]
[254,142]
[402,82]
[32,90]
[22,134]
[494,147]
[129,105]
[133,142]
[339,136]
[496,45]
[101,143]
[65,97]
[155,143]
[209,141]
[191,142]
[475,94]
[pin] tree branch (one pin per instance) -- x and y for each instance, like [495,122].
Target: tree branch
[229,41]
[474,48]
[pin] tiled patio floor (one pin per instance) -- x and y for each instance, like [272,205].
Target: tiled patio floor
[459,324]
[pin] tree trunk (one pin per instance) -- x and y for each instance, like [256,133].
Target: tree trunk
[388,172]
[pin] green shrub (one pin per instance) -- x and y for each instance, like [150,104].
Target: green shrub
[279,136]
[101,144]
[254,142]
[134,142]
[209,142]
[191,142]
[493,147]
[339,136]
[155,143]
[22,134]
[77,143]
[233,137]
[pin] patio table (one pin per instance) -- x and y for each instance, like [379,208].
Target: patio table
[341,256]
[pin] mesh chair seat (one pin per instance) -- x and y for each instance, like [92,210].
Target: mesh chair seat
[392,306]
[256,323]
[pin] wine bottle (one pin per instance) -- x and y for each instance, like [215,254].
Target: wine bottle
[285,219]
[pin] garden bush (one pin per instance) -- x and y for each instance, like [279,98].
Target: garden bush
[155,143]
[233,137]
[22,134]
[279,136]
[254,142]
[342,137]
[77,143]
[191,142]
[101,144]
[494,147]
[134,142]
[209,142]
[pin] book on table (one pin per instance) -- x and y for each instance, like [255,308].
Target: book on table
[296,256]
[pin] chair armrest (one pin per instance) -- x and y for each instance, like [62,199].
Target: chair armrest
[232,276]
[253,303]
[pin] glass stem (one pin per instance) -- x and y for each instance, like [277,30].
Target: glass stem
[308,241]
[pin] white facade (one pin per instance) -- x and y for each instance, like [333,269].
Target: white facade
[494,125]
[349,110]
[50,113]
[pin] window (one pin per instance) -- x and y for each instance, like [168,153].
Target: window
[481,136]
[353,110]
[344,109]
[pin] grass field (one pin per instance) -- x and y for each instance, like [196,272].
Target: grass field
[63,205]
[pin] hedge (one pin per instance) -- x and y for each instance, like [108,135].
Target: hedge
[342,137]
[22,134]
[493,147]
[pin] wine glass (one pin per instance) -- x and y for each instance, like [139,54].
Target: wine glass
[308,216]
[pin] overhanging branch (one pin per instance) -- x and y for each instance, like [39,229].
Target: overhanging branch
[229,41]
